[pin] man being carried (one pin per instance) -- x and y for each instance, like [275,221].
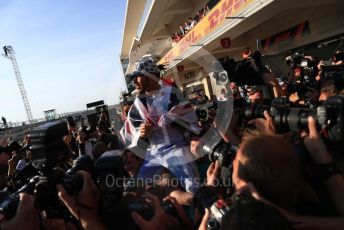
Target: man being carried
[155,120]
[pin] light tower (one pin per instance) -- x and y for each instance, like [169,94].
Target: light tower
[9,53]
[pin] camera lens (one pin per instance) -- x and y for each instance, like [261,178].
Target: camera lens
[202,114]
[223,78]
[212,224]
[297,118]
[255,110]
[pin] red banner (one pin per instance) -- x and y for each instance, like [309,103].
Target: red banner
[215,18]
[291,34]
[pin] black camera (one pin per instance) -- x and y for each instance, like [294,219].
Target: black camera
[43,174]
[218,211]
[329,115]
[255,110]
[22,177]
[224,153]
[285,118]
[110,177]
[209,198]
[47,144]
[206,111]
[298,60]
[146,210]
[45,194]
[305,81]
[306,64]
[70,180]
[246,72]
[9,201]
[334,74]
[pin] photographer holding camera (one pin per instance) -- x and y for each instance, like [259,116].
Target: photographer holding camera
[161,219]
[26,217]
[330,76]
[84,206]
[273,156]
[253,161]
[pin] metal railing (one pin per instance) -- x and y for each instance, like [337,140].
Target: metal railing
[13,129]
[16,130]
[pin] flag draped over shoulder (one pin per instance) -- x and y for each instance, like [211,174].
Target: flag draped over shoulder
[167,112]
[164,108]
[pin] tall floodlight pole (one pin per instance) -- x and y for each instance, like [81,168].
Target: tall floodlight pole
[9,53]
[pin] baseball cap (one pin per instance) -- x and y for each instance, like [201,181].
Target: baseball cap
[147,66]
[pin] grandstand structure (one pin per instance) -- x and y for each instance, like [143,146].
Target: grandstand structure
[273,27]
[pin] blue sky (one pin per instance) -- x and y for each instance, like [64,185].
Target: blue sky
[67,51]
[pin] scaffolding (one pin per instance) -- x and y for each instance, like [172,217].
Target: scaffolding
[10,54]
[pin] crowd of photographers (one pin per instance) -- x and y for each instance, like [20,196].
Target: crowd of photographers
[278,165]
